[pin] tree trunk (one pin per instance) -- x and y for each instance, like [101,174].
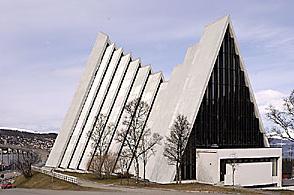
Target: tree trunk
[99,166]
[177,173]
[30,170]
[144,169]
[180,173]
[137,170]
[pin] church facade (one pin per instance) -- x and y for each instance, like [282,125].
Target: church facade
[211,88]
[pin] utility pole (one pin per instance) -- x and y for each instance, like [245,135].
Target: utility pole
[233,169]
[8,157]
[234,166]
[1,159]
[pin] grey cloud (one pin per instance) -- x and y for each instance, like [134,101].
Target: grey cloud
[45,44]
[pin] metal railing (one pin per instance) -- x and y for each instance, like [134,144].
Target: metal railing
[57,175]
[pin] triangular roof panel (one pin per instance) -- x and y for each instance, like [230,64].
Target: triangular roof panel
[184,93]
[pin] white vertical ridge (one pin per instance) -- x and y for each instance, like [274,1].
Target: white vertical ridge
[125,89]
[107,105]
[78,100]
[136,92]
[87,107]
[148,96]
[95,109]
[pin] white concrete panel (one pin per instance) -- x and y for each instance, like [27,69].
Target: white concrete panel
[249,174]
[189,57]
[122,96]
[151,88]
[77,101]
[136,91]
[95,109]
[107,106]
[124,91]
[86,109]
[184,93]
[148,96]
[156,106]
[207,167]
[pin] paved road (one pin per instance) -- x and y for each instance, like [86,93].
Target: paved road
[19,191]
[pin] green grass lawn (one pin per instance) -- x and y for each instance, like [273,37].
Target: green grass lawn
[42,181]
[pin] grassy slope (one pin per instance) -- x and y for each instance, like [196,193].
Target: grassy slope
[92,177]
[184,187]
[42,181]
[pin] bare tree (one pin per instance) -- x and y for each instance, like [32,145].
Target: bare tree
[146,147]
[134,122]
[25,161]
[122,165]
[100,136]
[109,163]
[124,159]
[283,119]
[176,142]
[103,169]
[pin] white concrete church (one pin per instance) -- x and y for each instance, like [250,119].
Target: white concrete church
[227,143]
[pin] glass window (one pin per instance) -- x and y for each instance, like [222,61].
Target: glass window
[226,116]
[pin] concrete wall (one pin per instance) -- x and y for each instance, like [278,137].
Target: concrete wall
[246,174]
[249,174]
[110,81]
[78,101]
[78,128]
[207,167]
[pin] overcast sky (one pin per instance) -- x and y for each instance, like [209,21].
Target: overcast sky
[44,46]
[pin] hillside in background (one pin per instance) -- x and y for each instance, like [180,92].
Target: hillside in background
[24,132]
[286,145]
[26,138]
[44,141]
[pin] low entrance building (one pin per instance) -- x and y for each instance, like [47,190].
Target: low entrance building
[241,167]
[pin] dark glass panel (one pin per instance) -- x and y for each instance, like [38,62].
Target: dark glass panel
[226,117]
